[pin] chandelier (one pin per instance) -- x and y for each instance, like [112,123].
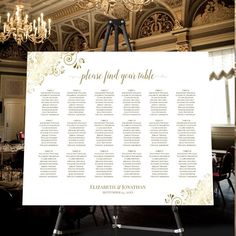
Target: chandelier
[109,5]
[18,26]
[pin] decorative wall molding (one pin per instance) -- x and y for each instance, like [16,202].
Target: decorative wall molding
[183,47]
[12,67]
[76,43]
[64,36]
[182,38]
[14,87]
[53,36]
[11,51]
[204,36]
[213,11]
[101,18]
[156,23]
[173,3]
[120,11]
[178,25]
[64,12]
[67,28]
[157,27]
[47,46]
[82,25]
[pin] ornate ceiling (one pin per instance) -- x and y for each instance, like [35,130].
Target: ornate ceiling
[75,29]
[34,6]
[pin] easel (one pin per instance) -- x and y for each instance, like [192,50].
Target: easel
[179,230]
[118,25]
[62,209]
[115,25]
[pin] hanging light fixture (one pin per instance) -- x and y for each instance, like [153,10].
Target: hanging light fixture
[109,5]
[18,26]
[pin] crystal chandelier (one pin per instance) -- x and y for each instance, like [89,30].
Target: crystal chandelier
[109,5]
[17,25]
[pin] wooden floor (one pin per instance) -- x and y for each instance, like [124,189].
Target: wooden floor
[214,220]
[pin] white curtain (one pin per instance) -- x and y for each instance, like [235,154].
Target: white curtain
[222,86]
[222,63]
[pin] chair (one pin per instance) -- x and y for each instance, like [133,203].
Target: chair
[73,215]
[68,218]
[222,171]
[18,161]
[6,198]
[11,209]
[231,149]
[6,205]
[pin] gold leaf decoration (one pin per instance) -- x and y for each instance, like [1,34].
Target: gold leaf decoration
[202,194]
[40,65]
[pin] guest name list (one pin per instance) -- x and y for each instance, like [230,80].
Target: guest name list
[103,130]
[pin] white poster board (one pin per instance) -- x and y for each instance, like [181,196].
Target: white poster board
[117,128]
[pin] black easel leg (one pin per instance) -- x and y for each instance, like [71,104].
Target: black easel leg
[116,45]
[116,24]
[107,34]
[180,228]
[104,214]
[108,215]
[57,230]
[125,34]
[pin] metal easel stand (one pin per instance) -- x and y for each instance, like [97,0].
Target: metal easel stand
[62,210]
[118,25]
[179,230]
[57,230]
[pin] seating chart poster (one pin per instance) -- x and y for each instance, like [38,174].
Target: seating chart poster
[117,128]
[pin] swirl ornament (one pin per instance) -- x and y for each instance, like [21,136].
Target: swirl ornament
[70,59]
[200,195]
[77,65]
[55,64]
[173,200]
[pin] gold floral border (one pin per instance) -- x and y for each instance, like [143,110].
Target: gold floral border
[42,64]
[200,195]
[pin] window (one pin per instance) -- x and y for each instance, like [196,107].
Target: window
[222,87]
